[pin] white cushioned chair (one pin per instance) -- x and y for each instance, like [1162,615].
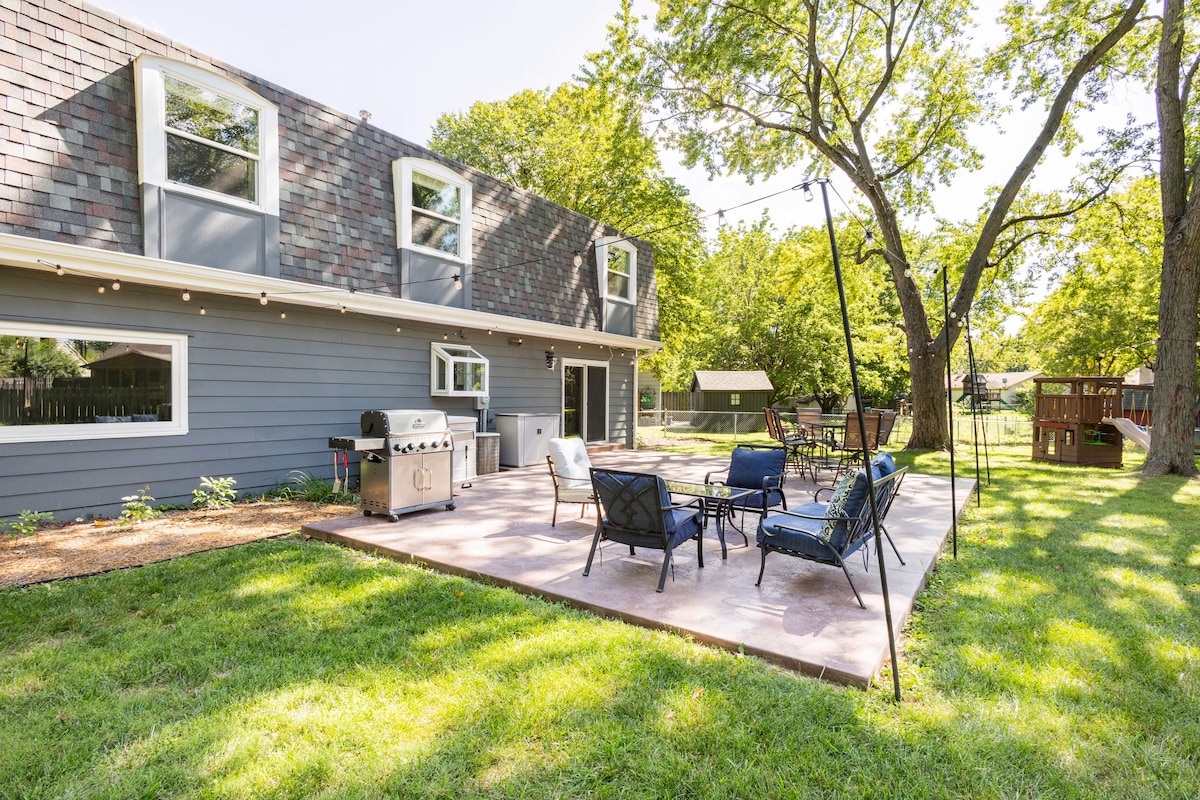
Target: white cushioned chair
[572,474]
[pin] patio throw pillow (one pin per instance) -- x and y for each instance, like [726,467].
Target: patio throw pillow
[846,503]
[571,463]
[884,464]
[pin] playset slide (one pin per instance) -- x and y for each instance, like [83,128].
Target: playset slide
[1130,431]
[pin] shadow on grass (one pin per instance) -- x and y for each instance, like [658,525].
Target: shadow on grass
[285,669]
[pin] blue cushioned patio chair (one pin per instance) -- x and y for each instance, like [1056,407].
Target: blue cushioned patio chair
[756,467]
[635,508]
[828,533]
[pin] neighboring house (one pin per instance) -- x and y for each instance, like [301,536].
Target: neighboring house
[264,268]
[742,390]
[1001,387]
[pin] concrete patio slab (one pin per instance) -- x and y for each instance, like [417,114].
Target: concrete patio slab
[804,616]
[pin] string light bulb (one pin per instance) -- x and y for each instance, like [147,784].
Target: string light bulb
[186,295]
[870,237]
[58,269]
[808,195]
[343,309]
[203,311]
[100,288]
[117,285]
[283,315]
[577,259]
[397,329]
[457,281]
[262,300]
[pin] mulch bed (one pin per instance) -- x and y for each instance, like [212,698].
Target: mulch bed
[87,548]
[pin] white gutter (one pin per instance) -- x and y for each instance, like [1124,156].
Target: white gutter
[46,256]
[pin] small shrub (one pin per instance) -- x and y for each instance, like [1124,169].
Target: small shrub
[137,508]
[306,486]
[27,522]
[214,493]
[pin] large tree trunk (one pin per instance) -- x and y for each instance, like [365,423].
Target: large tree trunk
[930,428]
[1171,448]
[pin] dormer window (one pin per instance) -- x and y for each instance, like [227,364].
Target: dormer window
[434,208]
[208,163]
[212,140]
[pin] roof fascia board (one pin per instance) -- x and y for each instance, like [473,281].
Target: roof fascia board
[29,253]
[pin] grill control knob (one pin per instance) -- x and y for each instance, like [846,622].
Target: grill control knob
[422,445]
[396,447]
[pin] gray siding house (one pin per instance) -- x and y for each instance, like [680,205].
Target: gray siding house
[240,272]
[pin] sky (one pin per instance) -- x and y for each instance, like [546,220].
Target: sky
[407,62]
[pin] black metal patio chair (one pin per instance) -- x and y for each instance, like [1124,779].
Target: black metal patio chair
[635,509]
[759,468]
[828,533]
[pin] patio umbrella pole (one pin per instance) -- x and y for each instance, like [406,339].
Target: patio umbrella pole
[862,428]
[949,405]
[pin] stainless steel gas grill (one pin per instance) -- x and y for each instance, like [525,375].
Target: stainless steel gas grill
[406,461]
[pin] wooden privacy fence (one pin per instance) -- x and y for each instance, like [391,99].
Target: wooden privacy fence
[36,405]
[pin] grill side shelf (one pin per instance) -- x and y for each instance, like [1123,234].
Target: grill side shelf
[356,443]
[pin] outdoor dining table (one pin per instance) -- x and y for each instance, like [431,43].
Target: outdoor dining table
[825,436]
[717,502]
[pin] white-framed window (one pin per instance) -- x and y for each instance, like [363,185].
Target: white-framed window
[203,135]
[617,262]
[65,382]
[433,205]
[457,370]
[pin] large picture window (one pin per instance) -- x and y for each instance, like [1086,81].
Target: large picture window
[205,135]
[434,208]
[60,382]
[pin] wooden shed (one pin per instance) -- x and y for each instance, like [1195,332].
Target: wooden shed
[734,390]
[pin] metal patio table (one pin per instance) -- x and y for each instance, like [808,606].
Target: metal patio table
[717,500]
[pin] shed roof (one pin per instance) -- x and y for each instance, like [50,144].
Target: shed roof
[731,381]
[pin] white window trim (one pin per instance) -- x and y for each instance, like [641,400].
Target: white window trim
[150,92]
[87,431]
[438,352]
[402,171]
[602,246]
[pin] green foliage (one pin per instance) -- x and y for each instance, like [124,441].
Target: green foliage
[886,97]
[138,508]
[31,357]
[303,485]
[27,522]
[582,146]
[769,301]
[214,493]
[1102,317]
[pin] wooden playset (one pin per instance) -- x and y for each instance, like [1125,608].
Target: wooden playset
[1068,425]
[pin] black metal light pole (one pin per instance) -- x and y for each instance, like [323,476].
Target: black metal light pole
[976,424]
[949,405]
[862,426]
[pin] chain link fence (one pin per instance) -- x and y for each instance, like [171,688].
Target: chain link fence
[998,429]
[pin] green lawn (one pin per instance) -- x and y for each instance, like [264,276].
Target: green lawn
[1058,657]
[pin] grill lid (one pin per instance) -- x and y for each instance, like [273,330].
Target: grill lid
[400,422]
